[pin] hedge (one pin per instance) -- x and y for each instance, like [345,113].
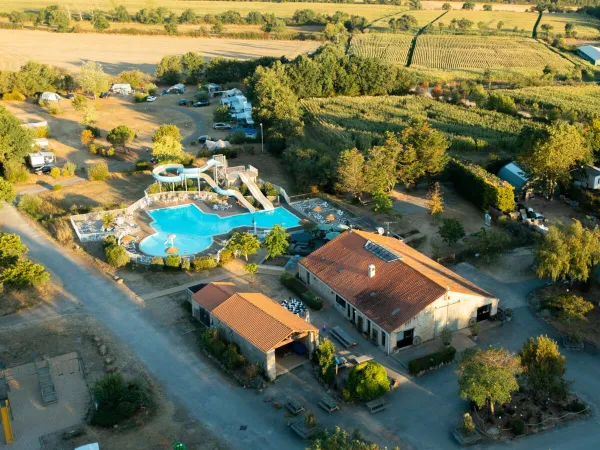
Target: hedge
[312,300]
[480,187]
[298,287]
[419,365]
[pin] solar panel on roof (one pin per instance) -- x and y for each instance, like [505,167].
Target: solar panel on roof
[380,252]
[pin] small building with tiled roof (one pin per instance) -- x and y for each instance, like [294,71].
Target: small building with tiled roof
[266,332]
[391,292]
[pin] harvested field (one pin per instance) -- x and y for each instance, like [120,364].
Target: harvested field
[117,53]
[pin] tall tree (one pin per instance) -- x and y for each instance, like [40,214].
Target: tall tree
[7,191]
[277,241]
[11,249]
[167,148]
[423,152]
[169,70]
[350,172]
[92,78]
[193,66]
[121,136]
[167,130]
[488,376]
[34,77]
[544,367]
[15,140]
[380,167]
[435,200]
[550,154]
[568,251]
[99,21]
[244,244]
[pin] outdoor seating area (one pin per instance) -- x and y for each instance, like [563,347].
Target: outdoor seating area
[321,211]
[92,224]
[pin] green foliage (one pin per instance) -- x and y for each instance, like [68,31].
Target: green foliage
[467,424]
[544,367]
[339,439]
[312,301]
[382,203]
[139,97]
[167,130]
[244,244]
[118,400]
[406,22]
[99,21]
[55,172]
[68,169]
[34,77]
[15,172]
[24,274]
[15,140]
[14,96]
[570,307]
[30,204]
[482,188]
[116,256]
[367,381]
[167,148]
[91,78]
[142,164]
[568,251]
[489,244]
[325,357]
[171,28]
[109,240]
[57,187]
[293,284]
[204,263]
[169,70]
[136,78]
[416,366]
[435,200]
[251,269]
[350,172]
[221,114]
[173,261]
[237,137]
[231,358]
[121,135]
[380,167]
[518,427]
[185,264]
[7,192]
[451,231]
[488,376]
[11,249]
[87,137]
[276,242]
[98,171]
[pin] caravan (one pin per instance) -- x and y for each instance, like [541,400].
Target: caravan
[41,161]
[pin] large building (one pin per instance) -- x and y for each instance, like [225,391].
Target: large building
[266,332]
[590,53]
[391,292]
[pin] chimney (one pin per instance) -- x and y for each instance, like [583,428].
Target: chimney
[371,270]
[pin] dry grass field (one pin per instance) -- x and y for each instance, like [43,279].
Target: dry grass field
[122,52]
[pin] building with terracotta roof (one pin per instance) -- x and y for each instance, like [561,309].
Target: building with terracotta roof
[391,292]
[266,332]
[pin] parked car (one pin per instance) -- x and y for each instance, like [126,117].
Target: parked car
[201,103]
[221,126]
[165,92]
[203,139]
[70,95]
[105,95]
[44,169]
[151,98]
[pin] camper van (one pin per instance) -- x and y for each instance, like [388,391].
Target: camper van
[40,160]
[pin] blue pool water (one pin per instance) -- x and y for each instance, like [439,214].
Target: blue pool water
[194,229]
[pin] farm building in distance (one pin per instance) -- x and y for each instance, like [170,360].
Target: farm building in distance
[590,53]
[266,332]
[392,293]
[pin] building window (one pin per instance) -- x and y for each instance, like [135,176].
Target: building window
[340,301]
[405,339]
[308,278]
[383,339]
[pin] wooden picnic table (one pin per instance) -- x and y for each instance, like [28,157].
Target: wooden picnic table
[328,404]
[376,405]
[294,406]
[344,338]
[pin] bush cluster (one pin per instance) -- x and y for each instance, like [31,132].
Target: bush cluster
[204,263]
[366,381]
[115,255]
[482,188]
[98,171]
[117,400]
[213,341]
[418,365]
[298,287]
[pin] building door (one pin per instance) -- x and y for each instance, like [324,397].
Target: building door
[359,323]
[446,316]
[406,338]
[483,313]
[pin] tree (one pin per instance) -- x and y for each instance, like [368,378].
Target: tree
[423,152]
[89,116]
[16,18]
[117,400]
[405,23]
[350,172]
[120,14]
[499,25]
[570,307]
[221,114]
[11,249]
[468,6]
[325,356]
[7,191]
[98,171]
[167,148]
[251,269]
[367,381]
[568,251]
[487,7]
[552,153]
[273,26]
[544,367]
[53,16]
[488,376]
[244,244]
[24,274]
[382,202]
[121,135]
[15,140]
[166,130]
[187,16]
[435,200]
[92,78]
[108,221]
[546,28]
[79,103]
[169,70]
[87,137]
[193,66]
[339,439]
[380,167]
[116,256]
[277,241]
[171,28]
[99,21]
[446,6]
[451,231]
[489,244]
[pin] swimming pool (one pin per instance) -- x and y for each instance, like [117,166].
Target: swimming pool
[194,228]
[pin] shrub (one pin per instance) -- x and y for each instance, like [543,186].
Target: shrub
[57,187]
[173,261]
[367,381]
[61,230]
[294,284]
[226,256]
[231,357]
[42,132]
[30,204]
[55,172]
[110,152]
[87,137]
[68,169]
[117,400]
[15,172]
[577,406]
[451,230]
[185,264]
[150,88]
[154,188]
[468,425]
[109,240]
[98,171]
[204,263]
[142,164]
[419,365]
[313,301]
[211,340]
[94,149]
[54,109]
[116,256]
[518,427]
[157,263]
[139,97]
[325,358]
[24,274]
[482,188]
[13,96]
[237,137]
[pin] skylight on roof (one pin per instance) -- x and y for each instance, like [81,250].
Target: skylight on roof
[380,252]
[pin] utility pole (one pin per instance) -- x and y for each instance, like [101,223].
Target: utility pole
[387,224]
[262,140]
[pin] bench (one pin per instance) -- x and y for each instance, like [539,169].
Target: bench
[343,337]
[294,406]
[376,405]
[362,359]
[328,404]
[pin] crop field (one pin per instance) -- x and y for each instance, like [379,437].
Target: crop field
[585,99]
[346,122]
[379,45]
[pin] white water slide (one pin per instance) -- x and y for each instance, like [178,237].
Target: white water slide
[198,173]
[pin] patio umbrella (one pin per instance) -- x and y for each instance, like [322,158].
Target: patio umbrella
[317,209]
[331,235]
[126,239]
[330,217]
[171,250]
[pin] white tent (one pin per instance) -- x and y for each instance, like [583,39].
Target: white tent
[50,97]
[217,145]
[121,88]
[41,143]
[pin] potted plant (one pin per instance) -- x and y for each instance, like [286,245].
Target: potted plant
[475,328]
[508,312]
[466,434]
[446,336]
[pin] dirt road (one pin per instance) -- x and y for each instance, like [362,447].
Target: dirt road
[121,52]
[209,397]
